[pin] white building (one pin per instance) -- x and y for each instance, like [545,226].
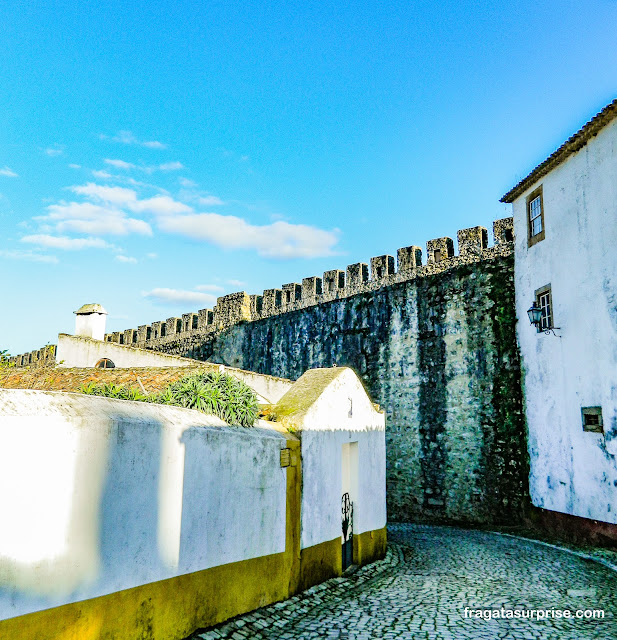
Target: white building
[565,223]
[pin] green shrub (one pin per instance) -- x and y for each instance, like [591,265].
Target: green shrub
[210,392]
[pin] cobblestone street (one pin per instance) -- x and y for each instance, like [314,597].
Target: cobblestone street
[429,576]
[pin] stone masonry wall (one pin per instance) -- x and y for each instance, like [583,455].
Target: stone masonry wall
[439,355]
[435,346]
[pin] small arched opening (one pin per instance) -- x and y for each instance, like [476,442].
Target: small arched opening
[105,363]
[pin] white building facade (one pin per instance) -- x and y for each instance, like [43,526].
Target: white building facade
[565,223]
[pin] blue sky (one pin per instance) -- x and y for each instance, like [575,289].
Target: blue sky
[155,156]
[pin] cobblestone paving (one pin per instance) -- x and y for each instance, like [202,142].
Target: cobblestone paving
[429,576]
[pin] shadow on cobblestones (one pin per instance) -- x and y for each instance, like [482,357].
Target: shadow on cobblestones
[420,591]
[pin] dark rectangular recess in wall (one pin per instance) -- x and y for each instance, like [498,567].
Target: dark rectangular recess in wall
[163,330]
[134,337]
[121,338]
[484,238]
[195,319]
[341,279]
[148,333]
[592,419]
[278,298]
[178,326]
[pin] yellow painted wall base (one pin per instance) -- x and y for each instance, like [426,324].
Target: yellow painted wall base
[320,562]
[369,546]
[165,610]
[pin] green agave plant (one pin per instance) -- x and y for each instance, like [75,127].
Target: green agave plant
[210,392]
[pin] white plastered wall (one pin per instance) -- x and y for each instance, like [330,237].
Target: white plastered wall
[99,495]
[343,414]
[572,471]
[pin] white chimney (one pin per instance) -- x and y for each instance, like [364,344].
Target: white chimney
[90,321]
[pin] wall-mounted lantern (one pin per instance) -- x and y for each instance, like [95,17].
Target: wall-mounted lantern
[535,315]
[535,318]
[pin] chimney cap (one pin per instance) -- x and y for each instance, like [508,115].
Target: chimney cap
[87,309]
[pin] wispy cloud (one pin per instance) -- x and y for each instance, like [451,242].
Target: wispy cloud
[178,296]
[208,201]
[8,173]
[171,166]
[127,259]
[128,166]
[119,164]
[56,150]
[185,182]
[127,137]
[236,283]
[277,240]
[74,166]
[29,256]
[103,175]
[65,243]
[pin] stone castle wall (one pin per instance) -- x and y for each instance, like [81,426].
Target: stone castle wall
[435,346]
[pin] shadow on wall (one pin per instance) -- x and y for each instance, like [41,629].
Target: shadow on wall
[83,515]
[234,505]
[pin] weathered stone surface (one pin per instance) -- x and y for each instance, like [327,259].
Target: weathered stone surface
[439,354]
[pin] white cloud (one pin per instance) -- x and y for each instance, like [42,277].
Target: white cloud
[276,240]
[179,296]
[208,201]
[160,205]
[30,256]
[185,182]
[128,259]
[209,287]
[116,195]
[54,151]
[8,173]
[104,175]
[171,166]
[93,219]
[65,243]
[236,283]
[117,226]
[119,164]
[74,166]
[127,137]
[152,256]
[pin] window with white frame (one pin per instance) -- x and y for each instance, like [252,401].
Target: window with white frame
[535,216]
[544,301]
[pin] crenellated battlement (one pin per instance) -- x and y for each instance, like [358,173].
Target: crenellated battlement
[384,270]
[357,278]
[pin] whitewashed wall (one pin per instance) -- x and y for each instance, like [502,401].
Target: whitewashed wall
[98,495]
[573,471]
[340,412]
[80,351]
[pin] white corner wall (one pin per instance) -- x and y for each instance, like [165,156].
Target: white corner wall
[572,471]
[99,495]
[343,414]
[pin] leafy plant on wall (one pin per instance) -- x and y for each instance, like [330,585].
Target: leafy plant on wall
[209,392]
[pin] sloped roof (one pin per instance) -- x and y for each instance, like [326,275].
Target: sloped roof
[94,307]
[305,392]
[154,379]
[570,146]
